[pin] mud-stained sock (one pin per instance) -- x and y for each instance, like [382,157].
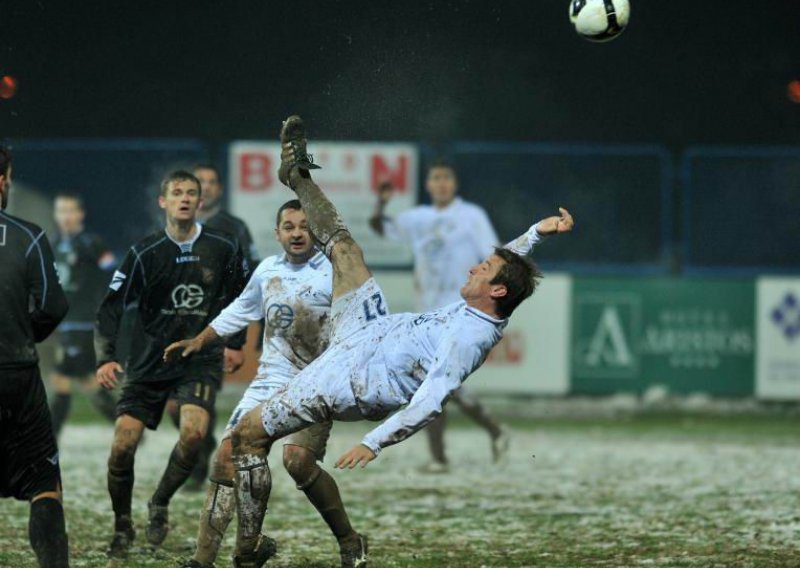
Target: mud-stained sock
[104,403]
[253,484]
[59,410]
[178,470]
[120,488]
[323,493]
[215,517]
[47,533]
[324,220]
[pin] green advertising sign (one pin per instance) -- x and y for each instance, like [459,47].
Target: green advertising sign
[688,335]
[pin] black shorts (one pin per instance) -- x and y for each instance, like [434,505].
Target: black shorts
[28,451]
[146,400]
[76,354]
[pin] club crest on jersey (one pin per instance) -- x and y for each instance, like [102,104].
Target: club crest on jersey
[117,280]
[280,316]
[187,296]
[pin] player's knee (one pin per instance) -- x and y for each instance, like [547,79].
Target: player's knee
[192,439]
[249,435]
[301,464]
[122,454]
[223,461]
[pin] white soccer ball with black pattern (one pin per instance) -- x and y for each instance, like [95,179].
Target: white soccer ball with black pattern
[599,20]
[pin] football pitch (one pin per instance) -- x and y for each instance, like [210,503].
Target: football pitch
[637,490]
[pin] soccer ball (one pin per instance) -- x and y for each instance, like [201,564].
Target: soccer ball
[599,20]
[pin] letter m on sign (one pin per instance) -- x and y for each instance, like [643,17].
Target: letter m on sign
[393,170]
[255,171]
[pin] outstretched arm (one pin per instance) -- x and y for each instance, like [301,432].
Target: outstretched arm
[246,308]
[554,225]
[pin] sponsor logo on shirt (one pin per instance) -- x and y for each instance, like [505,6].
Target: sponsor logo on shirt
[190,258]
[187,296]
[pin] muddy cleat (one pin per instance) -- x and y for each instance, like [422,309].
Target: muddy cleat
[121,541]
[500,447]
[294,153]
[354,552]
[266,549]
[157,523]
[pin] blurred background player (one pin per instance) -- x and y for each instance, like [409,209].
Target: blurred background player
[292,292]
[447,238]
[181,279]
[83,263]
[32,304]
[212,214]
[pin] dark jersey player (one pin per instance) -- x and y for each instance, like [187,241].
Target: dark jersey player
[32,304]
[212,215]
[83,261]
[181,278]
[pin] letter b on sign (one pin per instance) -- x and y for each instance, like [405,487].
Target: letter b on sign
[255,172]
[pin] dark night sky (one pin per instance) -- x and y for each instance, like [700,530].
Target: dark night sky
[702,71]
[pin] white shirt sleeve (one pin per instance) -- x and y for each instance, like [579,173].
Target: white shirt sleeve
[400,227]
[452,364]
[484,235]
[524,244]
[246,308]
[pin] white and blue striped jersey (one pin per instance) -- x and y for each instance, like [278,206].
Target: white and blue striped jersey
[295,301]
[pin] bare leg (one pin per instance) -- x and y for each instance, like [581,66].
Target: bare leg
[127,433]
[472,407]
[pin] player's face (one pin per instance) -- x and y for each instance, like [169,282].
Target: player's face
[181,201]
[294,236]
[68,215]
[210,186]
[479,284]
[5,187]
[441,185]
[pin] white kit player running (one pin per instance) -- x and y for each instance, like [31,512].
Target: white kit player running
[447,238]
[375,363]
[292,293]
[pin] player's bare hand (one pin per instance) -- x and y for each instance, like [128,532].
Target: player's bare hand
[182,348]
[234,359]
[361,454]
[107,374]
[556,224]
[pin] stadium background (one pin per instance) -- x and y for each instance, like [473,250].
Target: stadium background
[677,148]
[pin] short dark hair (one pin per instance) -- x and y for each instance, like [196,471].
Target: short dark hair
[178,175]
[207,166]
[293,204]
[5,160]
[441,163]
[71,195]
[520,275]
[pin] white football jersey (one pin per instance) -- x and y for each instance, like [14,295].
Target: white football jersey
[421,360]
[446,244]
[295,302]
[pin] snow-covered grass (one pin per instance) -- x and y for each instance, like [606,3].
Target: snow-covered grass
[636,490]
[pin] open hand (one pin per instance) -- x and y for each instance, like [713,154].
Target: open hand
[107,374]
[361,454]
[182,348]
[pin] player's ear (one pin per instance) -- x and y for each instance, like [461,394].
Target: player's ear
[498,291]
[162,202]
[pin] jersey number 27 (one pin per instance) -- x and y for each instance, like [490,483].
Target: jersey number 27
[375,301]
